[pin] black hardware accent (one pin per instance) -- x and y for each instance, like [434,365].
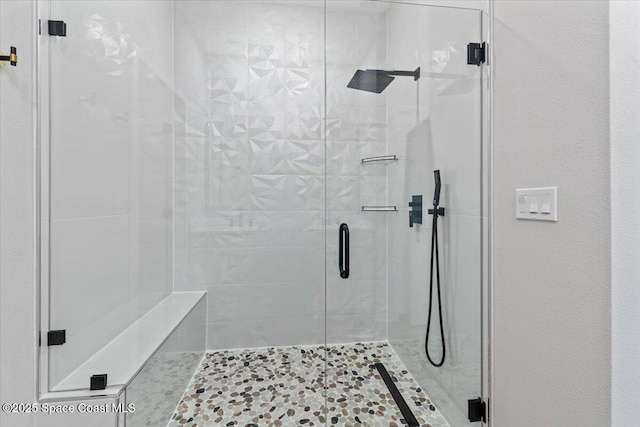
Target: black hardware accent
[57,337]
[477,410]
[438,182]
[476,53]
[12,58]
[402,404]
[58,28]
[98,382]
[415,214]
[376,81]
[436,196]
[440,211]
[343,251]
[415,74]
[435,261]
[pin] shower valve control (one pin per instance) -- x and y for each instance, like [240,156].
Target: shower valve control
[415,214]
[538,204]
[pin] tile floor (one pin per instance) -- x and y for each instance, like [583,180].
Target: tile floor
[285,387]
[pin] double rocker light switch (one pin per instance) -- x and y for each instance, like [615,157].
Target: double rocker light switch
[540,204]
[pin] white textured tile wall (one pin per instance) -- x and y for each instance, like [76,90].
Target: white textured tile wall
[111,171]
[250,185]
[436,124]
[251,159]
[356,128]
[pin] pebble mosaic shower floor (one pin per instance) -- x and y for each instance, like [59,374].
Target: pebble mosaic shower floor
[285,387]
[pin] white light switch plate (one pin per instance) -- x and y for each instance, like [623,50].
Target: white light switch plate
[538,204]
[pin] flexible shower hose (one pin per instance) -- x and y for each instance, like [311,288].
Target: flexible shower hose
[434,251]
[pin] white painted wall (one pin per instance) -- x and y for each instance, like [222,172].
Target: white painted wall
[17,213]
[625,207]
[551,296]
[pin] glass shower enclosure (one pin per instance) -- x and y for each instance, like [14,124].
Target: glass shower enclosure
[267,152]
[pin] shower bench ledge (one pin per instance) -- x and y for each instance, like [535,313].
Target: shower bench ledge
[130,351]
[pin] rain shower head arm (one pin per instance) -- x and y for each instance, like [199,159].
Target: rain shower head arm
[415,74]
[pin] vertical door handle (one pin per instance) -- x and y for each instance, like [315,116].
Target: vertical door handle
[343,251]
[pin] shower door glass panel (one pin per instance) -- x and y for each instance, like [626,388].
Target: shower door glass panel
[250,168]
[250,201]
[110,178]
[379,313]
[214,146]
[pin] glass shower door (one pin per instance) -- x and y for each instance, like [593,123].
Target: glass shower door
[109,182]
[267,151]
[402,102]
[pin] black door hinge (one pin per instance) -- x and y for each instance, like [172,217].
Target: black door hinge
[57,337]
[477,410]
[58,28]
[98,382]
[476,53]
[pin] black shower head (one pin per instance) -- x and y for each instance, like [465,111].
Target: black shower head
[370,81]
[377,81]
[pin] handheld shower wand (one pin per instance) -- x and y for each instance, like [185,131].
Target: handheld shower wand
[436,212]
[436,192]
